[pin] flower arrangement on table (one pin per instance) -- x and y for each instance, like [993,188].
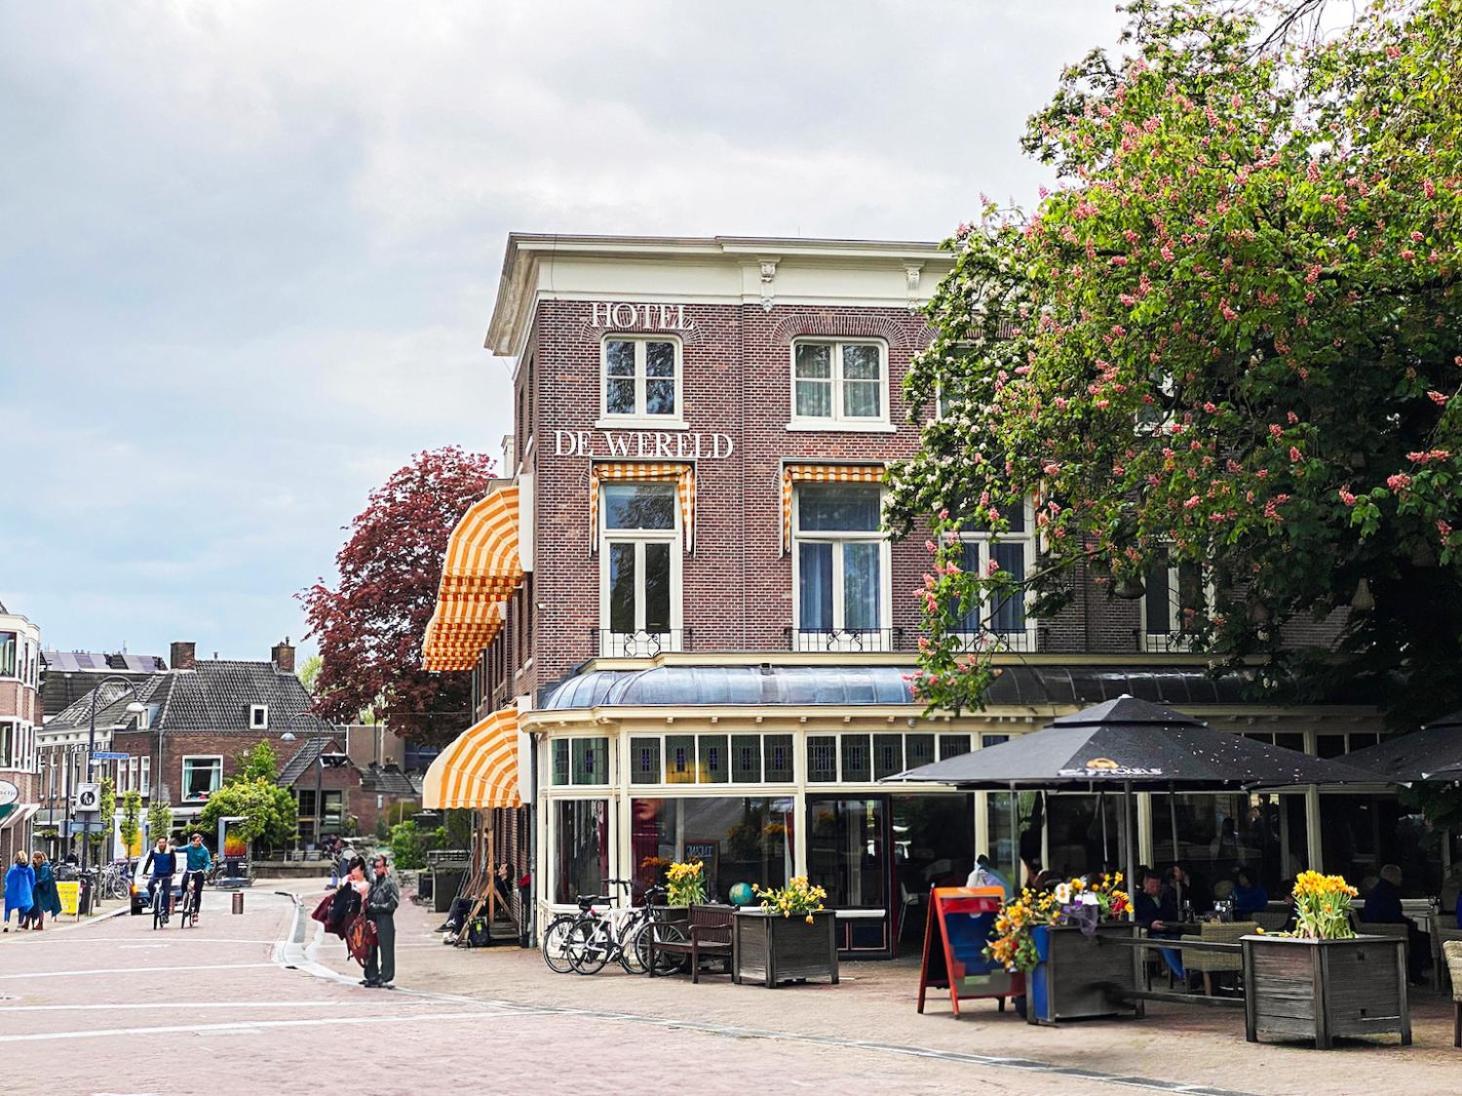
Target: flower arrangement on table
[685,883]
[1080,902]
[797,897]
[1322,906]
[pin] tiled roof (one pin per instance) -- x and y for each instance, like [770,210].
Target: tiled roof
[304,757]
[213,696]
[391,781]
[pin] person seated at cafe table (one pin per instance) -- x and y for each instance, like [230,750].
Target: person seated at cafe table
[1194,891]
[1383,907]
[1249,895]
[1153,908]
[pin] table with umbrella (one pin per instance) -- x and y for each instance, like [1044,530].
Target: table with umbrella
[1126,744]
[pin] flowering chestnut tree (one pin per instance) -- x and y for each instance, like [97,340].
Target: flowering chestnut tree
[1230,337]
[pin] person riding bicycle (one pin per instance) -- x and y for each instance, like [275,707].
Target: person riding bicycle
[199,861]
[162,862]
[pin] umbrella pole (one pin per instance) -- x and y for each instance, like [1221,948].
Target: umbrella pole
[1015,865]
[1173,819]
[1102,810]
[1126,836]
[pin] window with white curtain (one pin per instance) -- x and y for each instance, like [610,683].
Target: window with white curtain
[839,384]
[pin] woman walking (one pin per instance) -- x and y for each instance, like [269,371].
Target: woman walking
[20,886]
[47,896]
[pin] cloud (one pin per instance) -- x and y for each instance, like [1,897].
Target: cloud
[251,248]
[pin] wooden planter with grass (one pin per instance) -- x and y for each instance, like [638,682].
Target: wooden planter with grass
[1324,989]
[770,949]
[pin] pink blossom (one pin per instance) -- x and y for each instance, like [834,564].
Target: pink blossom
[944,514]
[1407,254]
[1294,453]
[991,567]
[1444,530]
[1192,502]
[1429,456]
[1438,398]
[1399,482]
[1346,497]
[1292,417]
[1166,252]
[1051,468]
[1210,407]
[1429,188]
[1275,430]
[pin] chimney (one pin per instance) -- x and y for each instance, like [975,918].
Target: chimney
[181,656]
[282,655]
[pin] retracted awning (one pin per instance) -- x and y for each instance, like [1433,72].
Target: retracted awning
[680,473]
[480,571]
[820,473]
[479,769]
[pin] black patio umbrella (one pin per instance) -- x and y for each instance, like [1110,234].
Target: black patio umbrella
[1432,753]
[1128,743]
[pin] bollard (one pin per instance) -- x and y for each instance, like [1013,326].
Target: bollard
[238,901]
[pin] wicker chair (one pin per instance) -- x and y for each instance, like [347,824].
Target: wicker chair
[1452,949]
[1209,963]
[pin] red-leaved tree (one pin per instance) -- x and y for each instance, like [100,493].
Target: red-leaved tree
[370,627]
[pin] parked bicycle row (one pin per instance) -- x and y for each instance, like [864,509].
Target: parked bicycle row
[607,931]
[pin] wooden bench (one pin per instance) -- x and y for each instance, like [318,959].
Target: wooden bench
[708,932]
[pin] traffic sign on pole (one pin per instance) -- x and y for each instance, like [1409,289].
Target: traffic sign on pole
[88,798]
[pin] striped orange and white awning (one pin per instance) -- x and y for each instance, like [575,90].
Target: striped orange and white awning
[480,571]
[479,770]
[793,474]
[680,473]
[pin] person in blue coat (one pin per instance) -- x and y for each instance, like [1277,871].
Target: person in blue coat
[20,887]
[47,896]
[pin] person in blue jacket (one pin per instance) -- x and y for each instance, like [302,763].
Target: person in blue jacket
[47,896]
[20,887]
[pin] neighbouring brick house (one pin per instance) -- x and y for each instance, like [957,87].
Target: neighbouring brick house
[202,716]
[689,636]
[21,715]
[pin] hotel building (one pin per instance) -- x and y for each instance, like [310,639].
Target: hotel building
[689,637]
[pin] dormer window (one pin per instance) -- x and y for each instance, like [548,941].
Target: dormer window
[258,717]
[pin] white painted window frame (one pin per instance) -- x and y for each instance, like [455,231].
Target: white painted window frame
[640,417]
[834,640]
[639,642]
[881,423]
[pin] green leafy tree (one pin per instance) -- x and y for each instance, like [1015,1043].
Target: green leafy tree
[106,811]
[267,812]
[259,762]
[159,819]
[1230,338]
[309,673]
[130,826]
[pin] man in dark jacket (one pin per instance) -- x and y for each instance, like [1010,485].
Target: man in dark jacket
[1383,907]
[1152,908]
[380,908]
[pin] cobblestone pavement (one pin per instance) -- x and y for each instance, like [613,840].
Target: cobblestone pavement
[1176,1048]
[259,1004]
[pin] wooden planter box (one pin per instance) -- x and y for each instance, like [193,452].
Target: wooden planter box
[1318,989]
[770,949]
[1077,978]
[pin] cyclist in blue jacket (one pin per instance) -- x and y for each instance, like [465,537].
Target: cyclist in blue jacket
[162,862]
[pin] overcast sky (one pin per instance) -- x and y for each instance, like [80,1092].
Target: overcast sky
[248,251]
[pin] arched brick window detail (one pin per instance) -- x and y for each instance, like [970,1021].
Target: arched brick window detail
[895,332]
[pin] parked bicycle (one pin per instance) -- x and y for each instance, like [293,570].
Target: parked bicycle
[603,932]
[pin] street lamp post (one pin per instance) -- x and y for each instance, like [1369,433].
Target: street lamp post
[136,707]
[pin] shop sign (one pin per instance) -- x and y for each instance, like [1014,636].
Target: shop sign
[1099,767]
[9,793]
[621,315]
[655,444]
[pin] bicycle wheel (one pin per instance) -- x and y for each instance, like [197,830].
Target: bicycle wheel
[555,944]
[589,946]
[665,963]
[630,956]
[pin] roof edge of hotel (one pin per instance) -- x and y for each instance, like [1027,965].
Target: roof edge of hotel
[500,332]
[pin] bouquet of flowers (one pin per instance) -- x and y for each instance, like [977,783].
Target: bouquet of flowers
[685,883]
[796,897]
[1322,907]
[1084,902]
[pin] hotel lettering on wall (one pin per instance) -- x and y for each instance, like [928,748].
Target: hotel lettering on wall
[666,444]
[622,315]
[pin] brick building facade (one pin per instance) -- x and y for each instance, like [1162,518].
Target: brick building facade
[21,716]
[704,635]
